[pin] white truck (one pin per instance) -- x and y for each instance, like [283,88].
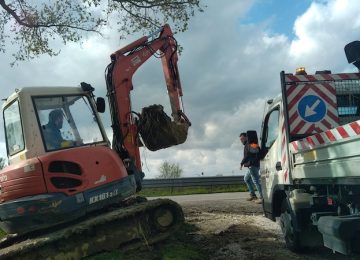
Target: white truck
[310,158]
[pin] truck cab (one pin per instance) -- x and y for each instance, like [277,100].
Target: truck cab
[309,160]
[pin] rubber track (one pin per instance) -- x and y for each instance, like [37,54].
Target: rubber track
[128,227]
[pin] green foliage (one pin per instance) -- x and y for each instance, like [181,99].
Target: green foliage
[33,26]
[169,170]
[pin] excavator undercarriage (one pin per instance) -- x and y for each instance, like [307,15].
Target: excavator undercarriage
[127,227]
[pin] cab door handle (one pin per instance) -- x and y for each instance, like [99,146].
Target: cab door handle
[278,166]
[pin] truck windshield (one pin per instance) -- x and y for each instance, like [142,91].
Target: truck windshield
[67,121]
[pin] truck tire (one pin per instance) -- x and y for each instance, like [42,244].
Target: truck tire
[287,220]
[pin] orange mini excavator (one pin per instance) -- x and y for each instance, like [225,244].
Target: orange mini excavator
[62,167]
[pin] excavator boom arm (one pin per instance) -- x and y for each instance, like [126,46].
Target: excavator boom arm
[125,63]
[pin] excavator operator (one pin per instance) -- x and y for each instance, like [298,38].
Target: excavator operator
[52,134]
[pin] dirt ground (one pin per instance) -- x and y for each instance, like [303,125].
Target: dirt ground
[238,230]
[218,230]
[226,229]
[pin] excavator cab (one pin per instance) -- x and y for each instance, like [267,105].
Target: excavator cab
[37,123]
[61,165]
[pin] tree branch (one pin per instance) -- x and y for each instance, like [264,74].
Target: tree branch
[35,24]
[135,15]
[39,25]
[151,4]
[13,13]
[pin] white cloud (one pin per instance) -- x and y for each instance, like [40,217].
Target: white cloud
[322,32]
[228,71]
[242,63]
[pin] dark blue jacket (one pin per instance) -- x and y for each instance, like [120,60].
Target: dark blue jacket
[251,158]
[52,137]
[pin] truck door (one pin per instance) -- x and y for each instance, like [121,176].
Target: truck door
[270,144]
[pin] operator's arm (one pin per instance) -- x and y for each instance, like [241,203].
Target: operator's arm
[245,160]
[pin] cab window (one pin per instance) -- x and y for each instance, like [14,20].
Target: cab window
[271,129]
[13,129]
[67,121]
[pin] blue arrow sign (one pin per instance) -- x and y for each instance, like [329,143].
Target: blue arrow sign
[312,108]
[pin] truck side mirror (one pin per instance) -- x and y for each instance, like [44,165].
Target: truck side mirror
[252,136]
[352,52]
[100,105]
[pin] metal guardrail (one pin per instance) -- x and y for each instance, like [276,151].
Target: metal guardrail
[193,181]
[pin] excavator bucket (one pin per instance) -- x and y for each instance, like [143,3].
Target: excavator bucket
[158,131]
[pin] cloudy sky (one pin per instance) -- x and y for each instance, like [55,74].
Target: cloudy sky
[233,54]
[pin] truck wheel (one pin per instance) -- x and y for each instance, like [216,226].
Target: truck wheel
[287,219]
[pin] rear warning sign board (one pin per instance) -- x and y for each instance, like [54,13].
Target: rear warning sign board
[312,107]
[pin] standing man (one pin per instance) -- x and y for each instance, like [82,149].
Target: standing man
[251,177]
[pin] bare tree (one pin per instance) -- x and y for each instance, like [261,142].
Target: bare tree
[34,26]
[169,170]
